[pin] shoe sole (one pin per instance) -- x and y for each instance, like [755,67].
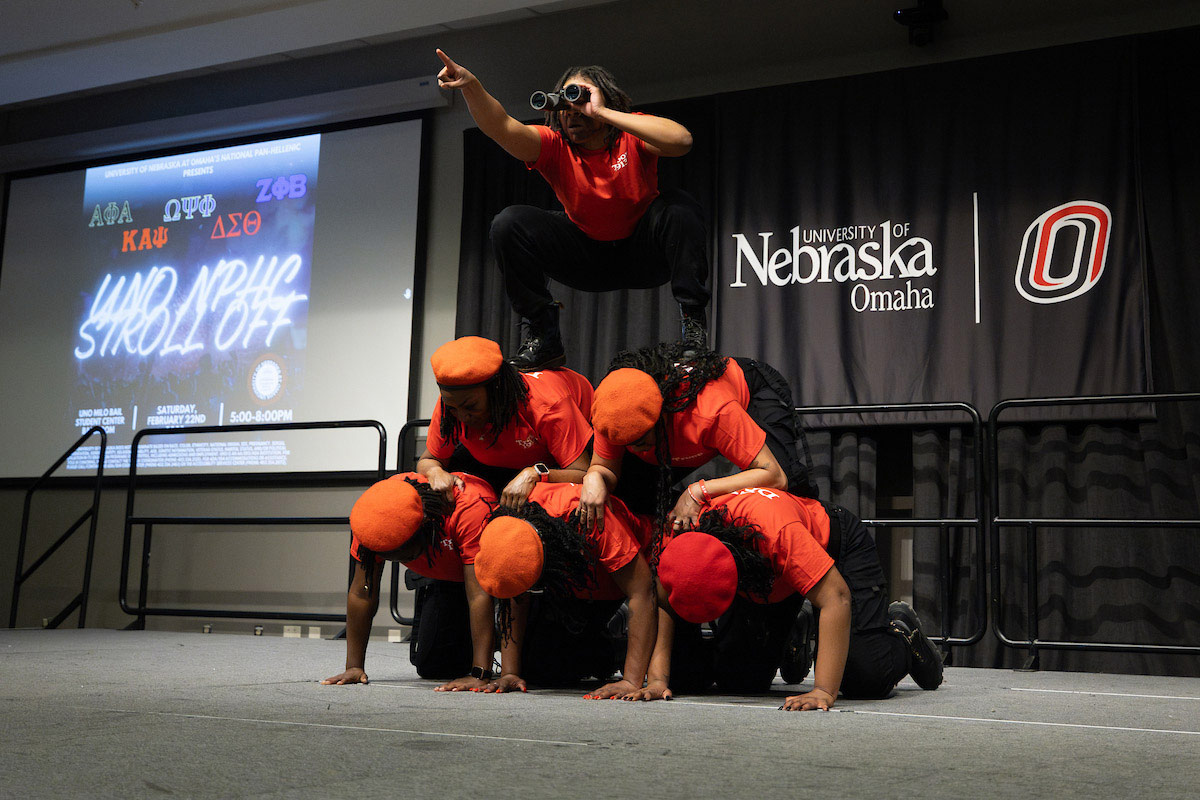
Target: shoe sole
[557,361]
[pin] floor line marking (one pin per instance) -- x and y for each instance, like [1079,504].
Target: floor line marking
[1104,694]
[342,727]
[755,707]
[1026,722]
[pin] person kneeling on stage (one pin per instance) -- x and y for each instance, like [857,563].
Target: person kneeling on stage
[405,519]
[663,411]
[514,430]
[749,565]
[559,588]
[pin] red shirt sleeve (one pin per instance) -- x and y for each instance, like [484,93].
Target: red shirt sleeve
[734,434]
[618,543]
[565,431]
[552,146]
[606,449]
[802,560]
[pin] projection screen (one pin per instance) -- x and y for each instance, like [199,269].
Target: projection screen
[265,282]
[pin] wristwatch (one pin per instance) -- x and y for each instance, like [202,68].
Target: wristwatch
[481,673]
[543,472]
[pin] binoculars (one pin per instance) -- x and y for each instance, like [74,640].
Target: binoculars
[557,101]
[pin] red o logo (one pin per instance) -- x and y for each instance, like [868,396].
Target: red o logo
[1064,252]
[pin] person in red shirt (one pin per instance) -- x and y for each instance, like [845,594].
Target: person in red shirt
[514,430]
[666,410]
[751,561]
[618,231]
[559,636]
[404,519]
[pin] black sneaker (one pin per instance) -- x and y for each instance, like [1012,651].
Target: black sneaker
[539,352]
[797,648]
[694,327]
[924,660]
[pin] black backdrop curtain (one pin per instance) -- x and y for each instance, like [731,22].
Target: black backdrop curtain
[1103,584]
[1094,585]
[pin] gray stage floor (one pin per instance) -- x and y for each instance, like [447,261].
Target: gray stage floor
[100,713]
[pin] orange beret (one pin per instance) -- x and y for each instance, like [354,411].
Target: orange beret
[627,403]
[700,576]
[387,515]
[467,361]
[510,557]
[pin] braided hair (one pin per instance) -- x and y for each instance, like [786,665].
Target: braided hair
[506,394]
[681,371]
[755,575]
[567,561]
[614,97]
[436,509]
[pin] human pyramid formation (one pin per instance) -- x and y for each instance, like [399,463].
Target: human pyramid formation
[557,520]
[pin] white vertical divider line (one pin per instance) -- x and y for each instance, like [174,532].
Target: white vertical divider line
[975,214]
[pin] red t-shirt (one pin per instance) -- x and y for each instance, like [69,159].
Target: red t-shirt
[795,534]
[604,192]
[716,423]
[624,536]
[459,543]
[551,427]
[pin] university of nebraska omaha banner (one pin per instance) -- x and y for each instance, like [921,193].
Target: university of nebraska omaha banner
[962,232]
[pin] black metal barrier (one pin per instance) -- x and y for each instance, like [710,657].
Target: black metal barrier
[141,611]
[406,461]
[1031,524]
[80,600]
[943,524]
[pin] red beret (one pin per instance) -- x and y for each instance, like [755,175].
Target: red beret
[510,557]
[467,361]
[626,405]
[387,515]
[699,574]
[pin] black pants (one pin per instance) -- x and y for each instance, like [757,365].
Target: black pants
[668,245]
[773,409]
[440,644]
[567,640]
[747,648]
[496,477]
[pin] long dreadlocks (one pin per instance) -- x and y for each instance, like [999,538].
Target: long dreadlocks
[506,393]
[567,561]
[755,576]
[436,508]
[614,97]
[681,371]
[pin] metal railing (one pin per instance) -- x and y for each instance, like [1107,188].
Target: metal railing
[1031,524]
[80,600]
[142,610]
[978,522]
[406,455]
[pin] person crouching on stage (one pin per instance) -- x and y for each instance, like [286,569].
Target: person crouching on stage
[405,519]
[512,429]
[558,636]
[663,411]
[754,557]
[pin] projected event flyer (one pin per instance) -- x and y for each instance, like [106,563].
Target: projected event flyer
[194,307]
